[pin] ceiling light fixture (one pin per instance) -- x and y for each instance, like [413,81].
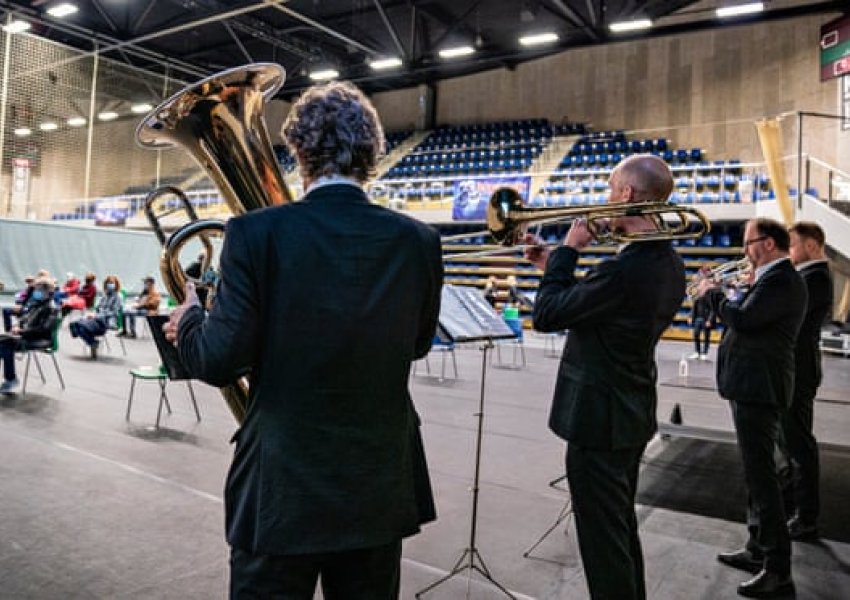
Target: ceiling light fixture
[324,75]
[77,121]
[456,52]
[385,63]
[48,126]
[741,9]
[62,10]
[142,107]
[538,39]
[107,115]
[636,25]
[16,26]
[23,131]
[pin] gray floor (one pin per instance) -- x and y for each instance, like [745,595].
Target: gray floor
[92,506]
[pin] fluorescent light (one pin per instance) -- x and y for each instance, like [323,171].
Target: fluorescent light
[107,115]
[16,26]
[741,9]
[538,39]
[635,25]
[62,10]
[76,121]
[324,75]
[143,107]
[456,52]
[385,63]
[23,131]
[48,126]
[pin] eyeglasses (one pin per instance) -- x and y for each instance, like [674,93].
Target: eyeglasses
[754,240]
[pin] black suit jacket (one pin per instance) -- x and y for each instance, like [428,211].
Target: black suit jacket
[807,351]
[326,301]
[605,394]
[755,360]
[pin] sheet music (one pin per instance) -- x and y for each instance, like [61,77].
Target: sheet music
[465,315]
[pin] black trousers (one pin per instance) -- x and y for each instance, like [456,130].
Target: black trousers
[603,485]
[802,447]
[362,574]
[701,334]
[757,427]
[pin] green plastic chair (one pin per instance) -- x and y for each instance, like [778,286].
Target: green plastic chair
[50,348]
[160,375]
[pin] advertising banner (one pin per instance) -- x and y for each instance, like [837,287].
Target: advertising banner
[471,196]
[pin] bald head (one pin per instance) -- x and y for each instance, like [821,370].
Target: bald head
[648,176]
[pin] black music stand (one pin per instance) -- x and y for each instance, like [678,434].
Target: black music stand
[167,352]
[466,316]
[563,515]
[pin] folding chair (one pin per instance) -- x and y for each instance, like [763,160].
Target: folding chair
[49,347]
[160,375]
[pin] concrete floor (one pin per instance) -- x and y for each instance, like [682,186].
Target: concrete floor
[93,506]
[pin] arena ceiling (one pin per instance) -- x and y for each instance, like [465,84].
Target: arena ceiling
[195,38]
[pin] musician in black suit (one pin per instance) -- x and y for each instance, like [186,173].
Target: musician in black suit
[605,396]
[807,254]
[755,372]
[326,302]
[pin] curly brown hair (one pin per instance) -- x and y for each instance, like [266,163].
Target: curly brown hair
[333,129]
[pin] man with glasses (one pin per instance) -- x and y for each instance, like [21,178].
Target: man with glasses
[755,372]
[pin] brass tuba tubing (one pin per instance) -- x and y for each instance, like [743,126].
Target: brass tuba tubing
[220,122]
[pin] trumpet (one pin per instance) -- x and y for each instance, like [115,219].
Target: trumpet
[507,220]
[733,273]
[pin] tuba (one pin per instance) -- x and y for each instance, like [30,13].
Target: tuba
[219,121]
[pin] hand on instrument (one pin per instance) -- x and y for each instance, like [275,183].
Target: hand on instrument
[705,285]
[535,251]
[191,300]
[579,235]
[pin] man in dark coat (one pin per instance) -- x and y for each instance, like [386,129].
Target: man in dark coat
[605,396]
[807,254]
[326,302]
[755,372]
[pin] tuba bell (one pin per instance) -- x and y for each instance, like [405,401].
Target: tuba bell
[220,122]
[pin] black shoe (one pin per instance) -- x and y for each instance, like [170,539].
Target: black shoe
[122,334]
[742,559]
[767,585]
[800,530]
[93,349]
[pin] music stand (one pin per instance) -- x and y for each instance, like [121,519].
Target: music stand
[466,316]
[167,352]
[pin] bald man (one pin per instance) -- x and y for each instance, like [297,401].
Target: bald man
[605,397]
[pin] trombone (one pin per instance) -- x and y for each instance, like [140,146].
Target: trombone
[507,220]
[733,273]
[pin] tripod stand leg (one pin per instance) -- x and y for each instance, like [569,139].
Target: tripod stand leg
[485,573]
[458,568]
[566,511]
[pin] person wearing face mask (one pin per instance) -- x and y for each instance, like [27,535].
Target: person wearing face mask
[104,317]
[34,325]
[146,304]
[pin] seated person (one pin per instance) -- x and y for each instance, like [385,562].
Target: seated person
[21,303]
[491,290]
[70,288]
[33,326]
[84,297]
[104,317]
[516,297]
[146,304]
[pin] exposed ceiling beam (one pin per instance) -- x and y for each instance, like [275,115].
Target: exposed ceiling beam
[238,42]
[105,16]
[576,19]
[331,32]
[393,33]
[142,17]
[457,23]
